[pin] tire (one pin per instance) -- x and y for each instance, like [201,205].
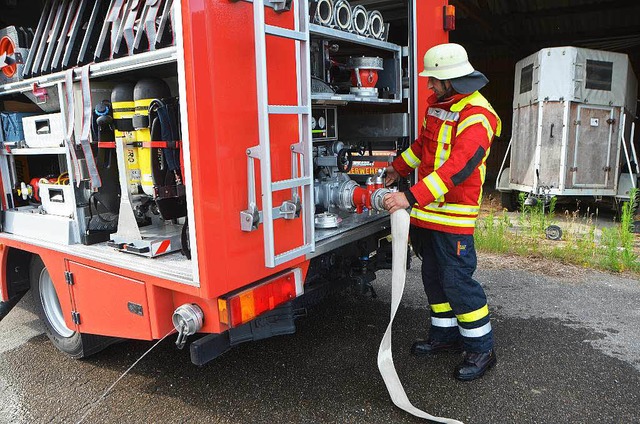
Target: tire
[69,341]
[553,232]
[49,311]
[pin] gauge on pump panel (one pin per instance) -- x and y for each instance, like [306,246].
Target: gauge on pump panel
[313,122]
[322,122]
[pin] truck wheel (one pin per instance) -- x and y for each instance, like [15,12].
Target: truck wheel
[553,232]
[50,312]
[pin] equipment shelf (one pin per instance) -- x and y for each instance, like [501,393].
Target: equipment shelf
[358,45]
[34,151]
[341,99]
[335,34]
[158,57]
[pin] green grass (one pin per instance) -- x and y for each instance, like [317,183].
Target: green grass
[613,251]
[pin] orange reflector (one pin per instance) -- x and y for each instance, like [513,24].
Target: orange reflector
[7,47]
[449,23]
[241,307]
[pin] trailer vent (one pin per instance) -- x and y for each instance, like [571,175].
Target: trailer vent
[526,79]
[599,75]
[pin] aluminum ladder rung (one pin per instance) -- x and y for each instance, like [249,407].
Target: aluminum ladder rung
[289,110]
[301,179]
[291,183]
[286,33]
[293,254]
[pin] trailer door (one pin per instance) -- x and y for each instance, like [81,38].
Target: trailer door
[593,147]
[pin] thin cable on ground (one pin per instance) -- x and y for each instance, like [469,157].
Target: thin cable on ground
[106,392]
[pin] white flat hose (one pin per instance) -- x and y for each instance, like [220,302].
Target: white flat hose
[400,235]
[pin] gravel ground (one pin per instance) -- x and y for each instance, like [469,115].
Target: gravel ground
[567,340]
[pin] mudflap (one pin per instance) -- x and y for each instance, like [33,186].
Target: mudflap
[277,322]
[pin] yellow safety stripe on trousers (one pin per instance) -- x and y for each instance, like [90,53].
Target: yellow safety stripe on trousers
[444,145]
[476,119]
[450,221]
[435,185]
[410,158]
[441,307]
[473,316]
[477,99]
[453,208]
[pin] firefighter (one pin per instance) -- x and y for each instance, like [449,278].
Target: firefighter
[450,154]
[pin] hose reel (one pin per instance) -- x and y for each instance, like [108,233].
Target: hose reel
[360,20]
[324,13]
[342,15]
[376,25]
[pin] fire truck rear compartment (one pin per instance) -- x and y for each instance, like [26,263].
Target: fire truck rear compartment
[360,118]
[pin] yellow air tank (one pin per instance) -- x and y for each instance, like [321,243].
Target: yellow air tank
[145,91]
[123,112]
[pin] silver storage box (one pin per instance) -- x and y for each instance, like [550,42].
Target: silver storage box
[28,221]
[57,199]
[43,130]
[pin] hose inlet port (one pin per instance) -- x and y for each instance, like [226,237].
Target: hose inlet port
[187,320]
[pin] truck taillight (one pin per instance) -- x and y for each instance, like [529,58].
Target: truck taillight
[449,15]
[243,306]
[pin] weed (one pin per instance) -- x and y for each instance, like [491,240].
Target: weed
[492,233]
[612,249]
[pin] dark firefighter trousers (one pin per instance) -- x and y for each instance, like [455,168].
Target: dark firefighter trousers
[457,302]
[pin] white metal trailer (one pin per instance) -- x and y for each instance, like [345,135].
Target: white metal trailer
[573,126]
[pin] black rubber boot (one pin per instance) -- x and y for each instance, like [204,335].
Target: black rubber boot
[475,365]
[432,347]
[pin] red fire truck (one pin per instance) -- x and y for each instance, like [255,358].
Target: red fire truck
[197,166]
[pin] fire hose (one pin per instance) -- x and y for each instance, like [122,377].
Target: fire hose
[400,235]
[340,14]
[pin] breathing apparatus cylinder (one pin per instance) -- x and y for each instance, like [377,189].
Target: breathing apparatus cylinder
[145,92]
[123,112]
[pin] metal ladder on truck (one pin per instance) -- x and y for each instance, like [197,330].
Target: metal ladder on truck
[300,178]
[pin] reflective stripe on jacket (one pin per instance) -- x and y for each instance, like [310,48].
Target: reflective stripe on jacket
[450,154]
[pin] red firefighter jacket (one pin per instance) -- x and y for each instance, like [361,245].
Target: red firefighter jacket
[450,154]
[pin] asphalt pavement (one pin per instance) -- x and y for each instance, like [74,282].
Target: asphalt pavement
[568,351]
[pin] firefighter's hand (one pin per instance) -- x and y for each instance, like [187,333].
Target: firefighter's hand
[395,201]
[392,175]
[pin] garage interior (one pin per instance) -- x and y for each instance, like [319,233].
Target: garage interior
[498,33]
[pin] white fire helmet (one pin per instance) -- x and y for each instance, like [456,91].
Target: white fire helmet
[446,61]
